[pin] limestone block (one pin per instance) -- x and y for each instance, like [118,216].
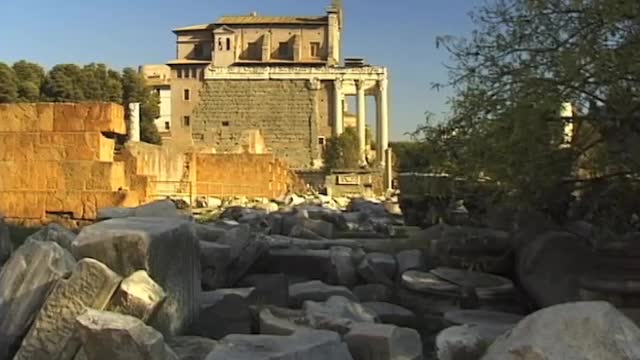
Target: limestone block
[56,233]
[25,281]
[304,344]
[274,323]
[104,117]
[373,292]
[410,260]
[191,347]
[582,330]
[55,146]
[228,315]
[155,209]
[392,314]
[26,117]
[383,342]
[316,291]
[337,314]
[269,289]
[110,336]
[343,271]
[53,332]
[138,296]
[166,248]
[307,264]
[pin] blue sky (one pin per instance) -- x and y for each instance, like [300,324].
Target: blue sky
[397,34]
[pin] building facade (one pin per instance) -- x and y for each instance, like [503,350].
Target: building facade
[281,75]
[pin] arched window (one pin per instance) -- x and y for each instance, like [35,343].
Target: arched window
[228,44]
[219,44]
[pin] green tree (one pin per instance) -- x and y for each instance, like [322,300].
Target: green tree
[30,77]
[8,84]
[64,83]
[135,90]
[524,59]
[342,151]
[99,83]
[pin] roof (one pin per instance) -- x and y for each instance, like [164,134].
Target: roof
[255,20]
[188,62]
[194,28]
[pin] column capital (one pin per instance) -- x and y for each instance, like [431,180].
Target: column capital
[361,83]
[338,84]
[383,83]
[314,84]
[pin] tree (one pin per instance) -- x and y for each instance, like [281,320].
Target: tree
[30,77]
[8,84]
[64,83]
[342,152]
[99,83]
[525,58]
[135,90]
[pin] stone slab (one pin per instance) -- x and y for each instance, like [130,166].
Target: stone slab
[53,332]
[166,248]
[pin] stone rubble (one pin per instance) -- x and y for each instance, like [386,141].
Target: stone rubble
[303,277]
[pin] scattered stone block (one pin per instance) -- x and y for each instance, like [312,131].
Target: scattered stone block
[583,330]
[191,347]
[138,296]
[166,248]
[229,315]
[53,332]
[304,344]
[373,292]
[392,314]
[273,322]
[110,336]
[383,342]
[56,233]
[316,291]
[378,268]
[461,343]
[336,314]
[209,298]
[160,208]
[303,263]
[410,260]
[25,282]
[342,269]
[269,289]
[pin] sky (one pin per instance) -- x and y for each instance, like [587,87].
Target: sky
[399,35]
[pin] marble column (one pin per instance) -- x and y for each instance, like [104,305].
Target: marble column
[383,119]
[362,119]
[338,124]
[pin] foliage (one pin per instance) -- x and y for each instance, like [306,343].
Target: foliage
[8,84]
[525,58]
[63,84]
[342,152]
[135,90]
[29,77]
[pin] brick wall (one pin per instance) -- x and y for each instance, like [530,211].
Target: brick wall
[288,113]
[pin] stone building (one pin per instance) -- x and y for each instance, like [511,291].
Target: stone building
[281,75]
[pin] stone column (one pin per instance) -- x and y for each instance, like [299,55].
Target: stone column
[134,122]
[383,119]
[338,116]
[362,118]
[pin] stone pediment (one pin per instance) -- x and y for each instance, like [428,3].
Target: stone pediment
[224,30]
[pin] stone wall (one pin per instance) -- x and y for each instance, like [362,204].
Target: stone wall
[252,175]
[54,159]
[286,111]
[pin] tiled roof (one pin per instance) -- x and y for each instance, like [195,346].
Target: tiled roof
[250,20]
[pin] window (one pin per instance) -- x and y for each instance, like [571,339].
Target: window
[194,73]
[220,45]
[283,49]
[321,140]
[225,123]
[167,125]
[186,120]
[228,44]
[187,95]
[179,73]
[314,49]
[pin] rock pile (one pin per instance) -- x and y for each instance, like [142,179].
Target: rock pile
[300,281]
